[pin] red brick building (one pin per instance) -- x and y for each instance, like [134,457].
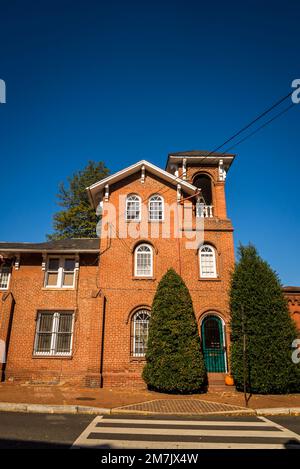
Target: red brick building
[78,310]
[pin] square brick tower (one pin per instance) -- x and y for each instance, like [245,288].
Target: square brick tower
[150,220]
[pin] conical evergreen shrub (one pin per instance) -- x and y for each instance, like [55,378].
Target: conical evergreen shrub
[259,309]
[174,361]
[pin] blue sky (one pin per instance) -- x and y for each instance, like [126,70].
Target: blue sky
[124,80]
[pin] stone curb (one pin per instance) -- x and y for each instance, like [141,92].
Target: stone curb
[52,409]
[279,411]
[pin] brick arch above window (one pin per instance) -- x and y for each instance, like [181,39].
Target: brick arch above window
[144,241]
[135,309]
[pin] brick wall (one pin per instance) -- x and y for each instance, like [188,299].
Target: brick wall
[125,293]
[29,295]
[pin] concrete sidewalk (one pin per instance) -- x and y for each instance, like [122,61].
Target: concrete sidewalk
[34,398]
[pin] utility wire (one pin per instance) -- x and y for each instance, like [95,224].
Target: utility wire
[260,127]
[260,116]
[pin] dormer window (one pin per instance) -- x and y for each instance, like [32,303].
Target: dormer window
[60,272]
[133,208]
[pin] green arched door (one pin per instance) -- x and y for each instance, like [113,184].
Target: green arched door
[213,344]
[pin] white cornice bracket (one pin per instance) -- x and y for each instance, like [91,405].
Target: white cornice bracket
[44,257]
[178,192]
[222,171]
[106,194]
[143,174]
[17,262]
[184,168]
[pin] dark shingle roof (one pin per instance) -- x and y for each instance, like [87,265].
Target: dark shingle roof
[289,289]
[199,153]
[73,244]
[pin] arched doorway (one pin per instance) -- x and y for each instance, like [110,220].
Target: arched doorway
[213,344]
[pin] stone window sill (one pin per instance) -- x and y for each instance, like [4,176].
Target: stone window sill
[201,279]
[53,357]
[144,278]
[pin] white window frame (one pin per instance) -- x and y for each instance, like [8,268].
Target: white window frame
[136,252]
[61,272]
[8,278]
[156,198]
[133,198]
[54,334]
[213,273]
[135,330]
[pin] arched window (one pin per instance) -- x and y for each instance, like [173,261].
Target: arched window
[143,261]
[203,182]
[140,329]
[133,208]
[207,261]
[156,208]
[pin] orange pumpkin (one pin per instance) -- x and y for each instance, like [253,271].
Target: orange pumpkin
[229,380]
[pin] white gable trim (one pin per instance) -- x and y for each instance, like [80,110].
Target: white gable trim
[100,185]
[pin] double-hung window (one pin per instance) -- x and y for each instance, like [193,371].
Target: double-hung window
[156,208]
[207,259]
[143,262]
[54,333]
[140,331]
[133,208]
[4,276]
[60,272]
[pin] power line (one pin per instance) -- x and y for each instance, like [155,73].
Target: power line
[260,127]
[260,116]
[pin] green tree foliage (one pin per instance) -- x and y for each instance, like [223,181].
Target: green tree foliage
[259,309]
[78,218]
[174,361]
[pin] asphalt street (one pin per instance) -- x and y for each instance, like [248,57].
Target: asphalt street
[54,431]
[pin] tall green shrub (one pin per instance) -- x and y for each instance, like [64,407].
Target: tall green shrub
[259,310]
[174,361]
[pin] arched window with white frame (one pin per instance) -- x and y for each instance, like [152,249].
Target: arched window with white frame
[133,208]
[156,208]
[207,261]
[139,332]
[143,261]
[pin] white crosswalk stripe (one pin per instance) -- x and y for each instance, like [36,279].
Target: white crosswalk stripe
[137,433]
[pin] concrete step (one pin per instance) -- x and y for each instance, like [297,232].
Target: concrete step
[216,382]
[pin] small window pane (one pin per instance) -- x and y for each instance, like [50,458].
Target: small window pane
[46,323]
[63,343]
[44,343]
[52,279]
[69,265]
[68,279]
[53,264]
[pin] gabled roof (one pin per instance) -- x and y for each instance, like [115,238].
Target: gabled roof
[165,175]
[62,245]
